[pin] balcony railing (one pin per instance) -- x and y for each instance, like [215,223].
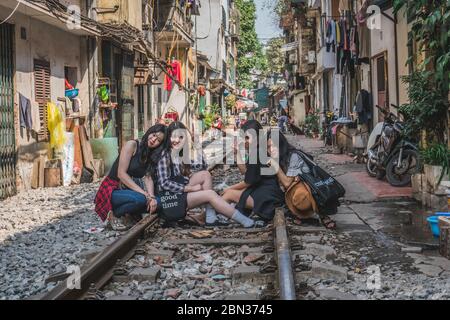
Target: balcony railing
[170,17]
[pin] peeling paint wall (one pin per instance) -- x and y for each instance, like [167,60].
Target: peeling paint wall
[129,11]
[61,49]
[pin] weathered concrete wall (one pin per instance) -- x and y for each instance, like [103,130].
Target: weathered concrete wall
[212,45]
[129,11]
[299,111]
[68,3]
[61,49]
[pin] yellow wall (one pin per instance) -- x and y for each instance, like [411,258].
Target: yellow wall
[129,11]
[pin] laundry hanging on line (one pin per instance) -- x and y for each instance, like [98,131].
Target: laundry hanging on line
[175,71]
[25,112]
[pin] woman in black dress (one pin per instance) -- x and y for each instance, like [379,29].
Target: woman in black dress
[260,191]
[290,166]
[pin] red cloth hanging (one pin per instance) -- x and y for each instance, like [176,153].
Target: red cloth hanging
[175,71]
[68,85]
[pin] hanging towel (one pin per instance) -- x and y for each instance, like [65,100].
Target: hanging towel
[364,41]
[337,83]
[25,112]
[175,71]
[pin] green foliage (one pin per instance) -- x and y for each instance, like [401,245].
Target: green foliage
[311,126]
[209,115]
[428,90]
[214,109]
[427,108]
[230,101]
[250,56]
[437,155]
[275,56]
[208,120]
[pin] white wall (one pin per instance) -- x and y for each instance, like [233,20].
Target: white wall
[299,111]
[208,26]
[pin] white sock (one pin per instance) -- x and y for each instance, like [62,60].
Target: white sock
[211,215]
[242,219]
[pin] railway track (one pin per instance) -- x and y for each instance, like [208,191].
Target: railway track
[178,261]
[191,262]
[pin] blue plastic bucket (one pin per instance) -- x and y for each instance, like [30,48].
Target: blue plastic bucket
[73,93]
[442,214]
[434,222]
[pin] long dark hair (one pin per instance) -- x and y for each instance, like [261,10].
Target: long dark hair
[252,124]
[258,128]
[150,157]
[285,150]
[177,125]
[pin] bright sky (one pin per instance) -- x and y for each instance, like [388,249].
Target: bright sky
[265,25]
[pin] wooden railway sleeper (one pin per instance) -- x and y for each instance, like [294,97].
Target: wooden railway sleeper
[269,267]
[268,249]
[297,246]
[300,265]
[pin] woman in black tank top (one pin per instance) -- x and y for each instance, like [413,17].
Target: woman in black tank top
[121,194]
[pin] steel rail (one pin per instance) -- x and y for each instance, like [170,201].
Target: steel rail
[102,264]
[284,259]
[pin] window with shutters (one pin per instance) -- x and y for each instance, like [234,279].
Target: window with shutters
[42,94]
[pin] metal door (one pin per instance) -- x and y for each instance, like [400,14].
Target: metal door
[7,135]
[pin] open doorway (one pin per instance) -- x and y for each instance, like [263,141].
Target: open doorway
[71,75]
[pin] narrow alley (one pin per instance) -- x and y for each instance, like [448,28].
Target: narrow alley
[141,156]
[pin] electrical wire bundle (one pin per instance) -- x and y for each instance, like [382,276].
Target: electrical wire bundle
[123,33]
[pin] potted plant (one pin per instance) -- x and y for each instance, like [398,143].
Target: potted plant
[437,165]
[312,125]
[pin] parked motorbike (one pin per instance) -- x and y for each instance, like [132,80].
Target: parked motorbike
[389,154]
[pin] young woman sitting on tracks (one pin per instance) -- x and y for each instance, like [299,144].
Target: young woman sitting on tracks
[260,191]
[298,195]
[181,190]
[128,190]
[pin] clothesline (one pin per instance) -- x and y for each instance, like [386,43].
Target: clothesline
[341,16]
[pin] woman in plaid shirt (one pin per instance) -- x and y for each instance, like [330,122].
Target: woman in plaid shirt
[174,174]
